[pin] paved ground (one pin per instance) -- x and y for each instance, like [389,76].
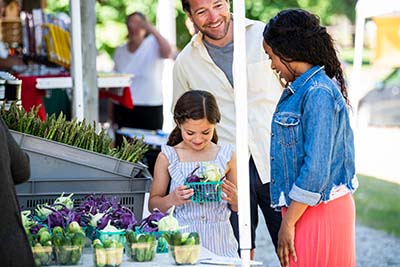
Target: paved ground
[373,248]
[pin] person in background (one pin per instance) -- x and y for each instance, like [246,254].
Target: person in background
[206,63]
[312,146]
[142,56]
[14,169]
[192,143]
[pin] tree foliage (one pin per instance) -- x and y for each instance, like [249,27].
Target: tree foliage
[111,30]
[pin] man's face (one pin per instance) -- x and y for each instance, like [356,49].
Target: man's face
[212,18]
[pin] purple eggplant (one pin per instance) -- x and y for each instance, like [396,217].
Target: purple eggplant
[193,178]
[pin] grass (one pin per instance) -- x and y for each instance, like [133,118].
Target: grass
[378,204]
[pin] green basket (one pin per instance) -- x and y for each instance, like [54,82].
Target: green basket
[206,191]
[116,236]
[162,246]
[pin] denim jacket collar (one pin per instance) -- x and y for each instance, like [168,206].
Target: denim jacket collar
[302,79]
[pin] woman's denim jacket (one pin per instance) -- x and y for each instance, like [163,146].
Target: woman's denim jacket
[312,146]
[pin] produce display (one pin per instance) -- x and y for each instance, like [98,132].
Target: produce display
[68,244]
[184,248]
[108,253]
[57,232]
[41,247]
[150,225]
[74,133]
[140,247]
[108,218]
[206,181]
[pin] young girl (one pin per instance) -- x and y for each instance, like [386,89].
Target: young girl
[312,147]
[191,143]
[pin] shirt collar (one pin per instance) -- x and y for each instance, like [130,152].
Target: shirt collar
[302,79]
[197,39]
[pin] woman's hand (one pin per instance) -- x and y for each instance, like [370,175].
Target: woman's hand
[181,195]
[286,244]
[230,194]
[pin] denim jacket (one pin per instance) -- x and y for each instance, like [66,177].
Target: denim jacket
[312,146]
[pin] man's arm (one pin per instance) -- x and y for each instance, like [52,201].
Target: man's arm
[180,83]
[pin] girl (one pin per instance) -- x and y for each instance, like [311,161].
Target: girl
[312,147]
[192,142]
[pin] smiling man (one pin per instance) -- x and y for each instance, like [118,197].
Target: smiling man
[206,63]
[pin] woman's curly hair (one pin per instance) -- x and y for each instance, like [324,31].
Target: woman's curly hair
[297,35]
[195,105]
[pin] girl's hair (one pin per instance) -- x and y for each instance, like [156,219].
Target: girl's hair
[195,105]
[296,35]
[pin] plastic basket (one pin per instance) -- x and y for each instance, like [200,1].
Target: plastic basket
[42,256]
[162,245]
[68,255]
[141,252]
[206,191]
[116,236]
[110,257]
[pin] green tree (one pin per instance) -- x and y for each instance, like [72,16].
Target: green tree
[111,30]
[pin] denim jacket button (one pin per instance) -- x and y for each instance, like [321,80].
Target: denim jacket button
[272,158]
[273,181]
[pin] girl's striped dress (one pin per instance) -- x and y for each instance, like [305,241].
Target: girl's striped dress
[210,220]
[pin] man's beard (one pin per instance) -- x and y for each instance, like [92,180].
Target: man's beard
[217,37]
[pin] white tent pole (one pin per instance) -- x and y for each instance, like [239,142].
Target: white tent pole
[242,149]
[76,62]
[357,60]
[166,26]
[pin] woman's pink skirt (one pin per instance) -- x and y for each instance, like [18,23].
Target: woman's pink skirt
[325,235]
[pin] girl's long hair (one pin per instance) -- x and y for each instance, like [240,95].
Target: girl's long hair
[195,105]
[296,35]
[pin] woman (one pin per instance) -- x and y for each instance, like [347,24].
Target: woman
[142,56]
[312,147]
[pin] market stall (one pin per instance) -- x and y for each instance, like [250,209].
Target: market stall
[35,87]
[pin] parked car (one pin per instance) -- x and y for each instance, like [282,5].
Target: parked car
[381,105]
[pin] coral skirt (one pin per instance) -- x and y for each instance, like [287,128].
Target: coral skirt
[325,235]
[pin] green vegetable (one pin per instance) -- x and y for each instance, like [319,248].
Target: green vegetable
[67,201]
[58,229]
[68,245]
[79,134]
[42,254]
[44,237]
[109,253]
[78,239]
[183,247]
[141,247]
[168,223]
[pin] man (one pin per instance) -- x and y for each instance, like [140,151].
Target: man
[206,63]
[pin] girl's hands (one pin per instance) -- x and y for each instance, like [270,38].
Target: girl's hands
[181,195]
[230,194]
[286,247]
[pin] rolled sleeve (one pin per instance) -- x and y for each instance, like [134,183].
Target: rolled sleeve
[304,196]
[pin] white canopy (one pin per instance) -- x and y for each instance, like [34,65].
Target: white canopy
[366,9]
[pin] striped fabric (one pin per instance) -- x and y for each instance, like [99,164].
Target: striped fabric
[210,220]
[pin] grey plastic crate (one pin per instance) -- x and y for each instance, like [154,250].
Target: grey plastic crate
[133,200]
[130,191]
[51,159]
